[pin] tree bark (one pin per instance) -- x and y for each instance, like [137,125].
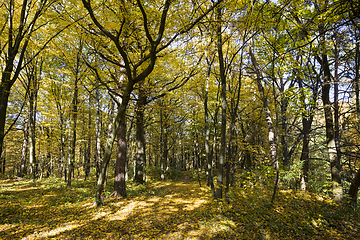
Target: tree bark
[99,200]
[62,143]
[231,147]
[88,147]
[210,181]
[4,97]
[284,140]
[356,79]
[74,122]
[33,91]
[120,165]
[140,157]
[97,132]
[267,111]
[222,157]
[354,187]
[24,149]
[163,142]
[329,124]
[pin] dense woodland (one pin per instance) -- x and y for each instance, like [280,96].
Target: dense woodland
[259,93]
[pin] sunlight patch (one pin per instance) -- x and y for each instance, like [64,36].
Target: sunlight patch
[195,204]
[4,227]
[99,215]
[68,227]
[22,189]
[125,212]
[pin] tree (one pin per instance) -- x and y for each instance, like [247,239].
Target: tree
[329,124]
[18,28]
[140,157]
[222,158]
[269,121]
[76,72]
[147,63]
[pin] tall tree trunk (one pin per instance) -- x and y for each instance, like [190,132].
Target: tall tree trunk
[22,167]
[74,121]
[231,146]
[354,187]
[163,142]
[271,130]
[111,119]
[336,100]
[109,143]
[305,153]
[222,157]
[88,147]
[306,126]
[4,98]
[97,133]
[197,155]
[33,88]
[120,165]
[140,157]
[284,140]
[210,181]
[215,136]
[329,124]
[356,79]
[49,158]
[3,160]
[62,147]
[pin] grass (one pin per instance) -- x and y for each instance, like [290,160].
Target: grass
[167,210]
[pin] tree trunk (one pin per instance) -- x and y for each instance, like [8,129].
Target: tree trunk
[49,156]
[4,96]
[163,142]
[62,147]
[109,143]
[356,79]
[354,187]
[336,101]
[197,155]
[271,130]
[305,153]
[306,126]
[22,167]
[3,160]
[231,146]
[97,130]
[284,140]
[140,157]
[222,157]
[33,87]
[210,181]
[74,121]
[120,170]
[88,147]
[329,124]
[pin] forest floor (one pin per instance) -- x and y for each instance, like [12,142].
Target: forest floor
[167,210]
